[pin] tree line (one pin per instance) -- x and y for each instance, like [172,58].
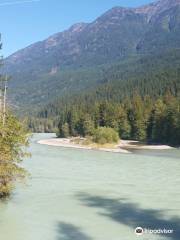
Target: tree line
[138,118]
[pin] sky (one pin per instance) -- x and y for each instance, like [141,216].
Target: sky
[24,22]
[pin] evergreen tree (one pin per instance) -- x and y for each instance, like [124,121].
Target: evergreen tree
[13,139]
[157,123]
[136,117]
[85,126]
[72,119]
[124,125]
[63,131]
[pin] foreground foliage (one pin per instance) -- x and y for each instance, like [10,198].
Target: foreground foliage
[13,139]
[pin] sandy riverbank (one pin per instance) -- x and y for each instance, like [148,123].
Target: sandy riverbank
[130,144]
[68,143]
[124,146]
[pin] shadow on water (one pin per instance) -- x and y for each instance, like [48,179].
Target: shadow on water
[131,215]
[68,231]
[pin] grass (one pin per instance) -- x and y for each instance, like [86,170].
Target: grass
[88,142]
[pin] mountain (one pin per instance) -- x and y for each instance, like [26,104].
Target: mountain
[77,59]
[140,100]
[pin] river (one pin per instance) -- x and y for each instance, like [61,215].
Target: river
[77,194]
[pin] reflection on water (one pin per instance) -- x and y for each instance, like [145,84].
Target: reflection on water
[90,195]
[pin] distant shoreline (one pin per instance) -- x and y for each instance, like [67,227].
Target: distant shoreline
[124,146]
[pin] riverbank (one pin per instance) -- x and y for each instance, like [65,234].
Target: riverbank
[131,144]
[124,146]
[72,143]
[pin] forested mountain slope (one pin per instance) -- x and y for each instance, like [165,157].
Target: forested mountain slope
[150,75]
[139,98]
[87,55]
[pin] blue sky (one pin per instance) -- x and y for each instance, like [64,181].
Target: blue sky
[25,23]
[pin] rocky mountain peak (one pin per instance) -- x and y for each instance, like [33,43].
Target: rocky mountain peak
[156,7]
[78,27]
[116,34]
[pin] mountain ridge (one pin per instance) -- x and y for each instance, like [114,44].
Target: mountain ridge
[149,10]
[116,35]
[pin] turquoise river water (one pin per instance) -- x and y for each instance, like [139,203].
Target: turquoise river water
[76,194]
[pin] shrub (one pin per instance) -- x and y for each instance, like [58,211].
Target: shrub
[103,135]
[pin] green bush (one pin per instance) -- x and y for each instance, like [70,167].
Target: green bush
[103,135]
